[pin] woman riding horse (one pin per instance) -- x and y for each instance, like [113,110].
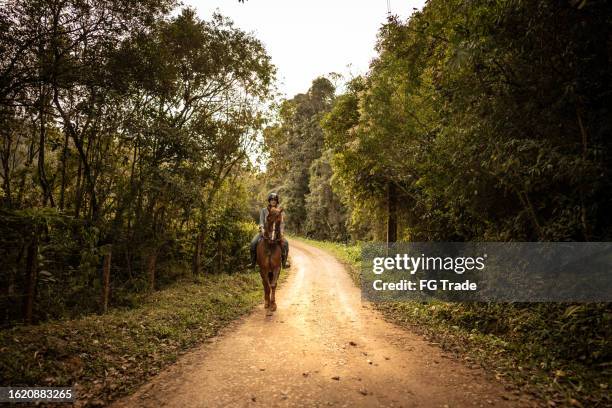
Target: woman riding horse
[273,202]
[269,255]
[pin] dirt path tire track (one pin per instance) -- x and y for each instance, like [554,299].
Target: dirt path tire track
[322,347]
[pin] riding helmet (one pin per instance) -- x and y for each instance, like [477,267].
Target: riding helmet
[273,196]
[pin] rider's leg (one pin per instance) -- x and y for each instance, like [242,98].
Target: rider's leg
[253,249]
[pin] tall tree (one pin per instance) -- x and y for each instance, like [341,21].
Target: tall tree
[293,144]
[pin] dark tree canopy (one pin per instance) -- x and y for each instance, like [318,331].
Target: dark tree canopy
[123,126]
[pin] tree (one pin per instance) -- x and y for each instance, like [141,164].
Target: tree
[325,213]
[293,144]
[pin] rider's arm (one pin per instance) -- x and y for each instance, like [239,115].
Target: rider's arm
[262,220]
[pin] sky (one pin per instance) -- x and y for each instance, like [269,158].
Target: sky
[310,38]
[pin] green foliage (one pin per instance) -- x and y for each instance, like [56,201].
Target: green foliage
[325,213]
[230,230]
[492,119]
[67,259]
[293,144]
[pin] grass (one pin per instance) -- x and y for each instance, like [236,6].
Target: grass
[106,357]
[560,353]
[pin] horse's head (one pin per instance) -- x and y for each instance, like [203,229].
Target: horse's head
[274,218]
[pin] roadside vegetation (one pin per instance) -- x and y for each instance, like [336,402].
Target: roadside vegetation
[106,357]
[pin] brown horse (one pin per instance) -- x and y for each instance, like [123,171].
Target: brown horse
[269,256]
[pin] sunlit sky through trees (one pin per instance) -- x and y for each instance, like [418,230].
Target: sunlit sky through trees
[308,38]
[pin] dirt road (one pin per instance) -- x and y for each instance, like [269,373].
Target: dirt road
[322,347]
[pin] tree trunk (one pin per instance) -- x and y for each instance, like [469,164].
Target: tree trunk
[391,213]
[220,257]
[78,141]
[6,176]
[22,181]
[151,261]
[195,266]
[31,275]
[586,230]
[44,184]
[63,172]
[128,263]
[78,195]
[106,279]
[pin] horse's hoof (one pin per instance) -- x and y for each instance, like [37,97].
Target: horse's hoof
[273,306]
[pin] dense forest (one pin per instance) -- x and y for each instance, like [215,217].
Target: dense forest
[126,129]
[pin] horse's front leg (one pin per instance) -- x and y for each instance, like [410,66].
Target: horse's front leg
[266,285]
[273,288]
[273,298]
